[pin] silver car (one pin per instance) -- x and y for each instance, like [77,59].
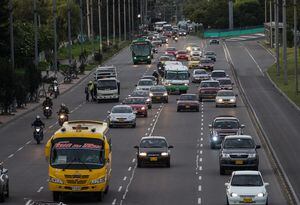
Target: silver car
[121,115]
[4,186]
[145,84]
[225,83]
[226,98]
[199,75]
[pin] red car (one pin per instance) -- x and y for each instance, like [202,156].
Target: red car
[138,104]
[208,89]
[171,50]
[206,64]
[182,55]
[188,102]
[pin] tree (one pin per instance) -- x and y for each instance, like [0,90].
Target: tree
[4,28]
[248,13]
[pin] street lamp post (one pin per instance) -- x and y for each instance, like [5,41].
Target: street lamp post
[55,37]
[114,24]
[36,52]
[125,37]
[107,23]
[230,7]
[100,25]
[81,27]
[132,15]
[69,33]
[296,46]
[277,37]
[271,25]
[119,20]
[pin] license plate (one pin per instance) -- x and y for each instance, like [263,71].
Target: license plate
[158,98]
[247,200]
[153,159]
[76,188]
[121,120]
[187,106]
[239,162]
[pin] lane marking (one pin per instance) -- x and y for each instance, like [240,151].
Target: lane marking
[124,179]
[40,189]
[129,169]
[10,156]
[20,148]
[199,200]
[114,202]
[200,177]
[199,188]
[133,160]
[155,121]
[120,188]
[28,142]
[258,66]
[200,168]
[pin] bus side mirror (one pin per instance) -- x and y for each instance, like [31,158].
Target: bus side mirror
[47,150]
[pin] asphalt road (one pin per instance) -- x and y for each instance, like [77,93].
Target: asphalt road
[194,174]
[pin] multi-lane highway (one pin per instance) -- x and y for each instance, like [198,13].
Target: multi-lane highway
[194,174]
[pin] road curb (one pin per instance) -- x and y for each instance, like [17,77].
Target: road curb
[282,177]
[274,84]
[39,104]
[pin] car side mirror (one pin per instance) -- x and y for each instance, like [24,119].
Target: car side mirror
[134,112]
[210,125]
[135,85]
[266,184]
[242,126]
[136,147]
[226,184]
[171,146]
[257,146]
[236,95]
[108,112]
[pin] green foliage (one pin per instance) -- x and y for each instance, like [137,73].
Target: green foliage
[4,29]
[248,13]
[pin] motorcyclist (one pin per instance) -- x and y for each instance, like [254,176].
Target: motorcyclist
[156,75]
[38,122]
[63,109]
[47,102]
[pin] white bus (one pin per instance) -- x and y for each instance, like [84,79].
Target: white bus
[159,25]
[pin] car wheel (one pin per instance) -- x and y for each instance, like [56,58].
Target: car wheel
[200,99]
[222,170]
[197,109]
[134,125]
[100,196]
[167,101]
[150,107]
[256,168]
[139,163]
[227,202]
[234,105]
[2,196]
[56,196]
[178,110]
[217,105]
[146,115]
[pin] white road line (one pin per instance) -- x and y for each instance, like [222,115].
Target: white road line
[202,119]
[133,160]
[127,187]
[199,188]
[10,156]
[201,151]
[201,145]
[200,168]
[120,188]
[20,148]
[40,189]
[124,179]
[254,60]
[202,115]
[28,142]
[146,134]
[201,139]
[199,200]
[201,128]
[201,133]
[129,169]
[151,124]
[28,202]
[114,202]
[200,178]
[155,121]
[202,124]
[149,128]
[200,159]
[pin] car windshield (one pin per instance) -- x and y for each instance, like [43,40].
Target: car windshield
[141,49]
[146,82]
[225,93]
[171,49]
[239,143]
[153,143]
[188,97]
[226,124]
[107,84]
[200,72]
[177,75]
[218,74]
[247,180]
[225,82]
[139,93]
[77,153]
[210,84]
[158,89]
[121,110]
[135,101]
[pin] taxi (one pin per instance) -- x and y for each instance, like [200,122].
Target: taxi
[194,62]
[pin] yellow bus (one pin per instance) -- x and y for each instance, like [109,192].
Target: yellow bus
[79,156]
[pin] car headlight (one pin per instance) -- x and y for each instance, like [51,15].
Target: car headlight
[215,138]
[252,155]
[232,100]
[166,94]
[234,194]
[225,155]
[61,116]
[99,180]
[220,100]
[55,180]
[261,194]
[143,108]
[148,100]
[151,94]
[166,52]
[164,154]
[143,154]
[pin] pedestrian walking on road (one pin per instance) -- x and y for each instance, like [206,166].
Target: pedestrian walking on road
[87,94]
[91,89]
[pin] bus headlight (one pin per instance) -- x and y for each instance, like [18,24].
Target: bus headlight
[148,57]
[99,180]
[55,180]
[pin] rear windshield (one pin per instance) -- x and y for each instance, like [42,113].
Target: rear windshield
[246,180]
[218,74]
[171,49]
[146,82]
[210,84]
[181,52]
[140,93]
[135,101]
[188,97]
[239,143]
[225,93]
[198,72]
[225,82]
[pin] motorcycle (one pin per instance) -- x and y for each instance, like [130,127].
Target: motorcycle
[47,111]
[38,134]
[54,90]
[176,39]
[62,117]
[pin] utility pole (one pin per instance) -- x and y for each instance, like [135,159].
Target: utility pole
[88,15]
[296,46]
[11,28]
[100,25]
[119,20]
[81,27]
[285,77]
[129,19]
[107,23]
[36,51]
[92,24]
[271,25]
[277,36]
[266,13]
[69,34]
[132,16]
[55,38]
[125,37]
[146,11]
[230,7]
[114,24]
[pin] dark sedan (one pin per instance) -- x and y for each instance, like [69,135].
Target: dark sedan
[159,94]
[188,102]
[153,150]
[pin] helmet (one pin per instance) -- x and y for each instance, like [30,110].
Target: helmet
[38,117]
[62,105]
[55,81]
[90,82]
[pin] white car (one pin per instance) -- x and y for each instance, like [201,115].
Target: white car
[196,54]
[145,84]
[246,187]
[217,74]
[226,98]
[199,75]
[122,115]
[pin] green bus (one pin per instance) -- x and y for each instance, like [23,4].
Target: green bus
[141,51]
